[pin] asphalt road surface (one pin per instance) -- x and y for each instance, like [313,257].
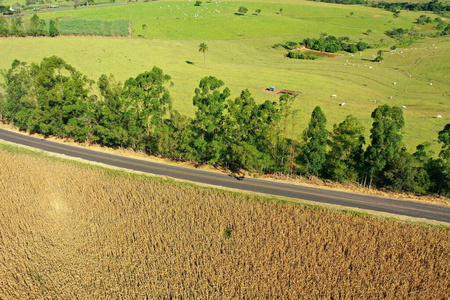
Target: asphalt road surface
[398,207]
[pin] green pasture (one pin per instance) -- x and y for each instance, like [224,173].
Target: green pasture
[240,54]
[93,27]
[217,20]
[242,64]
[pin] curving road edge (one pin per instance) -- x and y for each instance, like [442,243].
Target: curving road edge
[366,202]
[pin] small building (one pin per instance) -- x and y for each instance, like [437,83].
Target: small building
[271,88]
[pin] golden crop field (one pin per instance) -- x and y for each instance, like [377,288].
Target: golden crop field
[73,231]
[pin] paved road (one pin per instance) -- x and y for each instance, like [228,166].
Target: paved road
[406,208]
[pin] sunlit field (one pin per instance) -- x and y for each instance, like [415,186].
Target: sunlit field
[96,233]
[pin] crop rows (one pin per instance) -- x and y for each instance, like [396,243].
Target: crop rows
[94,27]
[70,231]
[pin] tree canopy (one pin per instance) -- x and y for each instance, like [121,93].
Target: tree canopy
[53,98]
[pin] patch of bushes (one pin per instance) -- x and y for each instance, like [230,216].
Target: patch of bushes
[243,10]
[396,33]
[300,55]
[326,43]
[433,6]
[423,19]
[35,27]
[38,27]
[291,45]
[349,2]
[334,44]
[258,11]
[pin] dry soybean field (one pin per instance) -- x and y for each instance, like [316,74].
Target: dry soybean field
[69,230]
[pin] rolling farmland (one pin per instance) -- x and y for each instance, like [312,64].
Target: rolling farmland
[72,230]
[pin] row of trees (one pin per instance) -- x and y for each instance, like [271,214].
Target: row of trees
[53,98]
[325,42]
[15,26]
[432,6]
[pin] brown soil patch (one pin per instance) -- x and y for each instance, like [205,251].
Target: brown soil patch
[270,92]
[323,54]
[316,53]
[377,16]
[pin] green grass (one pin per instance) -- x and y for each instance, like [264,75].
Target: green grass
[94,27]
[183,20]
[240,53]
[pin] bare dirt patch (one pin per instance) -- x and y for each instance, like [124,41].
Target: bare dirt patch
[323,54]
[317,53]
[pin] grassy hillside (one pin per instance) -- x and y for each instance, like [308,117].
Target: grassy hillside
[244,64]
[217,20]
[95,233]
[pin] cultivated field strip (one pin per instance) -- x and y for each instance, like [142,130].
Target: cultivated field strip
[72,231]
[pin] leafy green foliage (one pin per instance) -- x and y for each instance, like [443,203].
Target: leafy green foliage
[386,149]
[4,27]
[291,45]
[439,169]
[17,27]
[423,19]
[343,1]
[48,98]
[53,30]
[110,110]
[203,48]
[397,33]
[227,233]
[53,98]
[432,6]
[243,10]
[300,55]
[313,151]
[247,128]
[379,56]
[345,157]
[334,44]
[209,117]
[36,26]
[148,103]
